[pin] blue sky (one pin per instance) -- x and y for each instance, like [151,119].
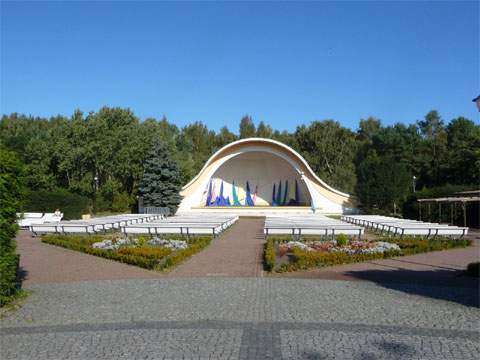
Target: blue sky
[283,63]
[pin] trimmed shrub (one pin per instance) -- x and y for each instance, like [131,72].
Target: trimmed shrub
[146,252]
[269,255]
[411,245]
[303,259]
[148,257]
[8,277]
[342,239]
[72,205]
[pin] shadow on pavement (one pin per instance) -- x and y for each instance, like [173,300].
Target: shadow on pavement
[447,285]
[21,275]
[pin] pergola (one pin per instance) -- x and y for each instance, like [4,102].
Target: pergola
[452,200]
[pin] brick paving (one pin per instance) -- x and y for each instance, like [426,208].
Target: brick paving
[43,263]
[236,253]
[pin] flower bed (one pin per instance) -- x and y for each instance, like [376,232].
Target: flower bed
[282,255]
[153,254]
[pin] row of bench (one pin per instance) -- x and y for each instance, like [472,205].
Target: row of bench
[184,224]
[298,225]
[94,225]
[29,218]
[401,227]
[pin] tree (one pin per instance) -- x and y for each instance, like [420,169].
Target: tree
[247,127]
[433,132]
[463,138]
[367,128]
[224,137]
[161,184]
[264,131]
[330,150]
[383,183]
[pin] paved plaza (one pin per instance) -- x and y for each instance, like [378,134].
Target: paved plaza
[84,307]
[232,318]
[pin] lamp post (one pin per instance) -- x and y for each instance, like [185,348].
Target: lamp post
[414,178]
[95,187]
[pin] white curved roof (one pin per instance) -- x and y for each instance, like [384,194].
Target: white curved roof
[266,142]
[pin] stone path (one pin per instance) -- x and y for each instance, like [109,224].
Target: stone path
[249,318]
[236,253]
[43,263]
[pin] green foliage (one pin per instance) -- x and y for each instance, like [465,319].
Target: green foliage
[269,255]
[11,194]
[303,260]
[112,145]
[72,205]
[412,245]
[342,239]
[264,131]
[382,182]
[146,252]
[160,184]
[410,207]
[148,257]
[473,269]
[8,276]
[330,150]
[247,127]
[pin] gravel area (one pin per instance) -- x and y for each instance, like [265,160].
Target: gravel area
[250,318]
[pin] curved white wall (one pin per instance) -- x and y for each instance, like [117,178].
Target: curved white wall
[262,170]
[263,162]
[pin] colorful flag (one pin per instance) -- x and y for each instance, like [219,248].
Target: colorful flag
[248,200]
[274,202]
[235,195]
[209,196]
[279,194]
[285,195]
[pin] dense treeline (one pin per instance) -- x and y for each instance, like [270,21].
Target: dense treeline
[375,162]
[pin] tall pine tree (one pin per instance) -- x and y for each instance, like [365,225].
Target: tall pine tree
[161,182]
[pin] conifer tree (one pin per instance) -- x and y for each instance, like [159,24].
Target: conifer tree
[161,182]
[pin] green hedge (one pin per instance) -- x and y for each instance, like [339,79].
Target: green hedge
[148,257]
[303,260]
[71,205]
[269,255]
[8,277]
[411,245]
[11,194]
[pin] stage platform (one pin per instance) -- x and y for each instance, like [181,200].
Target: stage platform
[253,210]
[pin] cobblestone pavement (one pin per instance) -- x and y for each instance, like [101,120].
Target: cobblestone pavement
[232,318]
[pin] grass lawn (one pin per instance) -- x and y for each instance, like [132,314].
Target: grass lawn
[279,256]
[142,254]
